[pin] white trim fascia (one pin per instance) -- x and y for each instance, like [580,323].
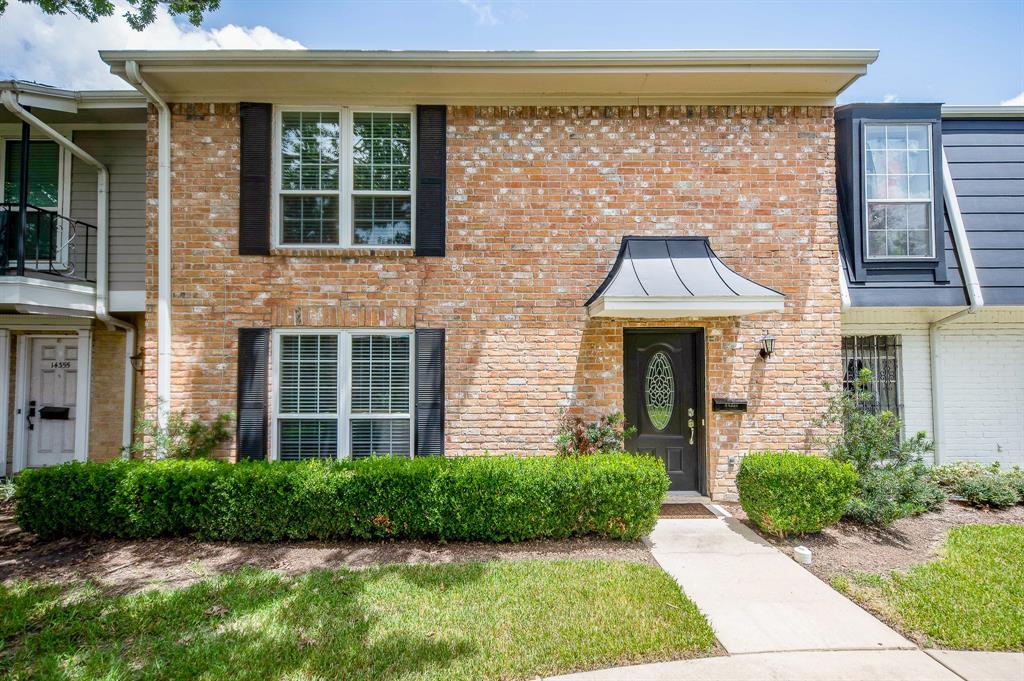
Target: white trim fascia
[684,306]
[200,59]
[981,111]
[5,387]
[46,293]
[845,301]
[128,301]
[963,246]
[70,101]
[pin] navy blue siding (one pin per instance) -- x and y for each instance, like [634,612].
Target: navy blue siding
[986,160]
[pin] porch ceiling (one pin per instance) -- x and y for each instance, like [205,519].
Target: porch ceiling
[665,277]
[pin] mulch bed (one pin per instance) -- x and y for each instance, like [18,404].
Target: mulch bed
[126,566]
[685,511]
[849,547]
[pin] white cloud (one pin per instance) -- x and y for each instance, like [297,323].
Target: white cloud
[62,50]
[889,99]
[1015,101]
[483,11]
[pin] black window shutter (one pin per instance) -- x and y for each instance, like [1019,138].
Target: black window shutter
[253,357]
[431,163]
[429,392]
[254,194]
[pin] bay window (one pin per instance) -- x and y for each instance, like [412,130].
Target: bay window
[344,177]
[341,394]
[898,191]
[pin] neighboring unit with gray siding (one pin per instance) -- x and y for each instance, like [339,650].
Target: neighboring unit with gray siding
[986,161]
[124,154]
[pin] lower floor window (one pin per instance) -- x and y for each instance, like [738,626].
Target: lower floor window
[880,355]
[342,393]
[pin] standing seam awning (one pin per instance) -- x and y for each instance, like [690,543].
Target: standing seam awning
[661,277]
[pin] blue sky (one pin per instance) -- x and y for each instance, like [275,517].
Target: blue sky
[952,52]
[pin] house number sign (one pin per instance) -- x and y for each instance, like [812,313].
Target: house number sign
[63,364]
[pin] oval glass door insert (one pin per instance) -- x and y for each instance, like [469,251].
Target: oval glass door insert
[659,390]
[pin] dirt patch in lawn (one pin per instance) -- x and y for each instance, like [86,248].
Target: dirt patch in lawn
[124,566]
[849,547]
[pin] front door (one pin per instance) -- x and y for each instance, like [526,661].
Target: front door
[52,396]
[663,400]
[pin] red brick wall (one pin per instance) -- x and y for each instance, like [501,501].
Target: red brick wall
[538,200]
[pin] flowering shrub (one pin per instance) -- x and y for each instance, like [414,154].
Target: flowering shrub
[576,437]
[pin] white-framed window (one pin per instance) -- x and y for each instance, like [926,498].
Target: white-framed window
[344,176]
[341,393]
[898,191]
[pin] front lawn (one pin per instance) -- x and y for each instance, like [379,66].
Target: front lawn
[515,619]
[970,598]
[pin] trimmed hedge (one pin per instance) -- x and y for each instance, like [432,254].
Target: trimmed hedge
[501,498]
[792,493]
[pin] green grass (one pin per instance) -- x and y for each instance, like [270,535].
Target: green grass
[475,620]
[971,598]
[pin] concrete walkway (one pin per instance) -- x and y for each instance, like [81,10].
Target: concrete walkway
[778,621]
[756,598]
[841,665]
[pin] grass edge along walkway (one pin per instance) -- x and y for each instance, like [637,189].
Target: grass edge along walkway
[503,619]
[970,598]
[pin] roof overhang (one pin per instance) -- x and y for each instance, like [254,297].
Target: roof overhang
[670,277]
[798,77]
[56,105]
[981,111]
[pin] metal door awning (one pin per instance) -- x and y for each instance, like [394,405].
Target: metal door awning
[663,277]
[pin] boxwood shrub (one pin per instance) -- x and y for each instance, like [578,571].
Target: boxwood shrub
[499,498]
[792,493]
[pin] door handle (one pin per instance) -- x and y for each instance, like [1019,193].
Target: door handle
[30,414]
[690,423]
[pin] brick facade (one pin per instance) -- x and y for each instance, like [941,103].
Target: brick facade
[106,409]
[538,200]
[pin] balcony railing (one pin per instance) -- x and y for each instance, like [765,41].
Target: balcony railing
[54,245]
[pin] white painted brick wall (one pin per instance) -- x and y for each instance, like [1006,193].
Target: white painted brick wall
[915,367]
[981,374]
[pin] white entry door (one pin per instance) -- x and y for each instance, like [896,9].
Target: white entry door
[52,401]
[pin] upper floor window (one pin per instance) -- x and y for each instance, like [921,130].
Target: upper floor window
[898,191]
[345,177]
[43,173]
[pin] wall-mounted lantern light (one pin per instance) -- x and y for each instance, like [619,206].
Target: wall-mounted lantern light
[767,346]
[136,360]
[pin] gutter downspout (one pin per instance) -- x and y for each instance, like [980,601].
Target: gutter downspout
[163,318]
[10,102]
[975,300]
